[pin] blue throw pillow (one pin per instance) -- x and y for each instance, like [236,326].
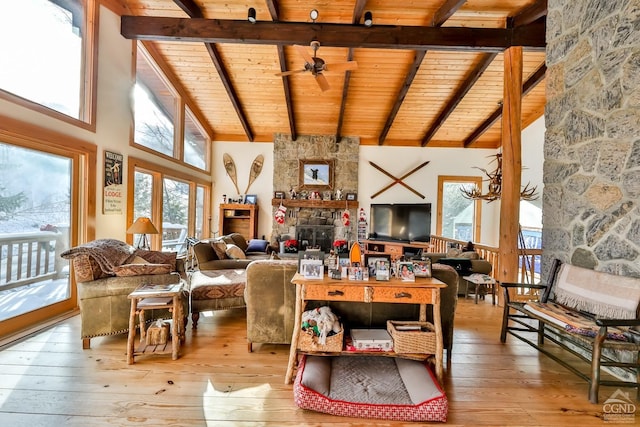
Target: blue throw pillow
[257,245]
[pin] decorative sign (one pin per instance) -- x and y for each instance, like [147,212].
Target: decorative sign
[113,198]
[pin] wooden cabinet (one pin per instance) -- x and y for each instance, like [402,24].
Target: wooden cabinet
[239,218]
[395,249]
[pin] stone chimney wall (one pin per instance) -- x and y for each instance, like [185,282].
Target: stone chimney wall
[591,174]
[286,157]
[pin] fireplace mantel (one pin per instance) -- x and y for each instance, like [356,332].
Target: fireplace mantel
[315,204]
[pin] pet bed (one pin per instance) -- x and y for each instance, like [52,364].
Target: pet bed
[370,387]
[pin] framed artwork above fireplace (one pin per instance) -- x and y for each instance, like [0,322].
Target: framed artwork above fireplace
[316,175]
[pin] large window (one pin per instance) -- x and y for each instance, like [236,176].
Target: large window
[458,217]
[44,55]
[46,188]
[176,203]
[164,123]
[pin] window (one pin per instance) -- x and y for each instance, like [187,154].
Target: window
[458,217]
[47,55]
[177,204]
[47,194]
[154,108]
[163,121]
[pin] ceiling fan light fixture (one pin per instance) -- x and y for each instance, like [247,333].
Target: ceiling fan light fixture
[251,17]
[368,19]
[313,14]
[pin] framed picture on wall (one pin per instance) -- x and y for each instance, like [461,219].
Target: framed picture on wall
[315,175]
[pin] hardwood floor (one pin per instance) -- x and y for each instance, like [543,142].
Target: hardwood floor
[48,380]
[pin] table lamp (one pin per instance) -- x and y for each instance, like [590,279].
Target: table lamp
[143,226]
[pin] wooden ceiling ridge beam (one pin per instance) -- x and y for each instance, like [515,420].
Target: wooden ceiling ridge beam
[194,12]
[439,18]
[469,82]
[358,9]
[531,83]
[274,11]
[156,28]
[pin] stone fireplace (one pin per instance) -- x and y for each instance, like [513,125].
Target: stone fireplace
[316,222]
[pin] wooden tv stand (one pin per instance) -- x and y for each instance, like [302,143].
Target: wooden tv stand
[394,248]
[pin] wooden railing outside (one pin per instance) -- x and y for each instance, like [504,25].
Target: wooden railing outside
[27,258]
[529,259]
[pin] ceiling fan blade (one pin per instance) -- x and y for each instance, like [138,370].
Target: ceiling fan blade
[288,73]
[341,66]
[302,50]
[322,82]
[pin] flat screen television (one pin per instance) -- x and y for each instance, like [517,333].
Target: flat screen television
[401,222]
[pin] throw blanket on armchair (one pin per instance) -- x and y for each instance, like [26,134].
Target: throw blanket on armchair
[108,253]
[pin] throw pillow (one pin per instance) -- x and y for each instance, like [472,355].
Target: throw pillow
[138,260]
[470,255]
[140,269]
[235,252]
[220,248]
[453,253]
[257,245]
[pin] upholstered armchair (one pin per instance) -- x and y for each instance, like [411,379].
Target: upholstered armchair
[106,272]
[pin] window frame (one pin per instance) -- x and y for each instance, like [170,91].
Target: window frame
[182,104]
[477,216]
[159,173]
[89,75]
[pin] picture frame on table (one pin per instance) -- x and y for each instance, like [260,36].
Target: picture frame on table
[309,258]
[422,268]
[251,199]
[316,174]
[375,262]
[405,271]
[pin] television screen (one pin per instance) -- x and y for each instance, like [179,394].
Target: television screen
[403,221]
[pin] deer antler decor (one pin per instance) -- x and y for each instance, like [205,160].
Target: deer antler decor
[495,186]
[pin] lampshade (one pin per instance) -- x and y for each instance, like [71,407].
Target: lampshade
[142,225]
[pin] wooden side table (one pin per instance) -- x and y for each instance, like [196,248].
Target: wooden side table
[481,281]
[155,297]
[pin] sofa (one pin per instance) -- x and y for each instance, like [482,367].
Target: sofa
[106,272]
[464,263]
[270,302]
[231,251]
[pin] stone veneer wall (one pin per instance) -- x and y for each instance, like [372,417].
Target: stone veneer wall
[591,174]
[286,157]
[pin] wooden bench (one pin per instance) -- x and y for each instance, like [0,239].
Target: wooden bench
[588,313]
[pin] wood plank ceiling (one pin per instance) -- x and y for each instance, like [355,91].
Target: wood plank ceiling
[430,72]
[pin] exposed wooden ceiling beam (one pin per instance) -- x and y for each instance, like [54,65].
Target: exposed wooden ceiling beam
[357,15]
[528,15]
[274,11]
[338,35]
[531,82]
[439,18]
[462,91]
[192,9]
[445,11]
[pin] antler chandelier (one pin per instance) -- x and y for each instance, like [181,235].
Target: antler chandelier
[495,186]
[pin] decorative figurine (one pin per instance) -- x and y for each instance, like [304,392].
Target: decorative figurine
[292,193]
[339,194]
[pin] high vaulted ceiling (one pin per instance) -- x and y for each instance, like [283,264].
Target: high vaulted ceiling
[430,72]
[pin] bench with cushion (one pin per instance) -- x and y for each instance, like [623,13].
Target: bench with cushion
[594,315]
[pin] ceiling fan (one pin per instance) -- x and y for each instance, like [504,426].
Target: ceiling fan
[317,66]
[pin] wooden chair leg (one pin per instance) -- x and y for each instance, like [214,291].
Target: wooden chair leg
[249,347]
[195,316]
[86,343]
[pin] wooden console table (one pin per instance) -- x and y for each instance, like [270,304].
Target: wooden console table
[423,291]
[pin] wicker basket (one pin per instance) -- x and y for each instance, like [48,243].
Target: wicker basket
[309,342]
[422,341]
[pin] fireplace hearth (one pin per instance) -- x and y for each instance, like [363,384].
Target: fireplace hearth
[315,237]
